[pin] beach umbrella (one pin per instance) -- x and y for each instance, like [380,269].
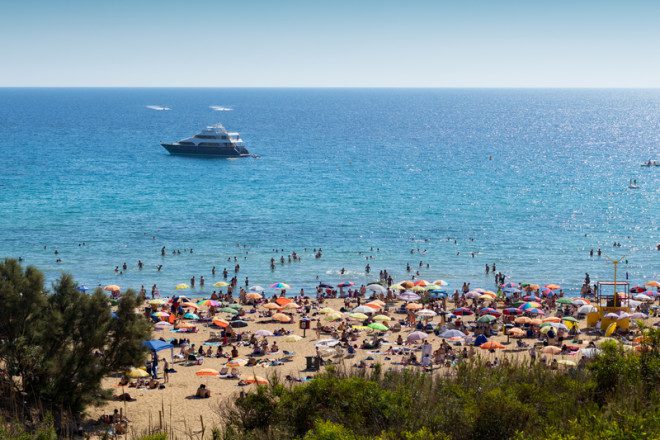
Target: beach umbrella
[530,305]
[283,301]
[333,316]
[452,334]
[422,283]
[567,362]
[160,315]
[281,317]
[407,284]
[512,311]
[492,345]
[473,294]
[611,315]
[112,288]
[397,287]
[551,349]
[590,352]
[652,283]
[462,311]
[207,372]
[182,286]
[190,305]
[292,338]
[258,380]
[374,305]
[489,311]
[327,343]
[535,321]
[360,327]
[418,289]
[414,306]
[209,303]
[532,298]
[191,316]
[229,310]
[623,315]
[516,332]
[236,362]
[376,288]
[280,286]
[363,309]
[220,322]
[437,292]
[510,285]
[552,319]
[346,284]
[253,296]
[382,318]
[185,325]
[409,296]
[220,284]
[535,311]
[425,313]
[637,289]
[417,336]
[326,310]
[569,319]
[136,373]
[522,320]
[272,306]
[235,306]
[639,315]
[162,325]
[565,300]
[487,319]
[553,286]
[486,298]
[82,288]
[291,306]
[378,326]
[587,308]
[642,297]
[157,302]
[257,289]
[559,326]
[440,283]
[263,333]
[358,316]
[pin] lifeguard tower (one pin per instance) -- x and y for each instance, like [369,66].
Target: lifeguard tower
[611,297]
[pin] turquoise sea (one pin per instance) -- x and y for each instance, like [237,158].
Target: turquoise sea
[341,169]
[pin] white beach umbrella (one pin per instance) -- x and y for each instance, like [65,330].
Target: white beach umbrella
[363,309]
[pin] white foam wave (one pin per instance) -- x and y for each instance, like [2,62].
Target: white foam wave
[219,108]
[157,107]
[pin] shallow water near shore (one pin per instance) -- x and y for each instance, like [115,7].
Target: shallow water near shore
[341,169]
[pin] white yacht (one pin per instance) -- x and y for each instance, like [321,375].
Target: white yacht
[214,141]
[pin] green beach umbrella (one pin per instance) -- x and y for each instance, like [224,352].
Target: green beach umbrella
[229,310]
[570,319]
[378,326]
[235,306]
[565,301]
[487,319]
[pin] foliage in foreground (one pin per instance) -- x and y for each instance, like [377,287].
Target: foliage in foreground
[56,346]
[615,397]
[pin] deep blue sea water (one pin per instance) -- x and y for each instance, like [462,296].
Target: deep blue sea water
[341,169]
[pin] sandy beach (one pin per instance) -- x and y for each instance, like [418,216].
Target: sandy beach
[175,406]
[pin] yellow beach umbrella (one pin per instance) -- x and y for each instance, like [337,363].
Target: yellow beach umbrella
[253,296]
[610,329]
[291,306]
[292,338]
[418,289]
[182,286]
[326,310]
[333,316]
[220,284]
[136,373]
[359,316]
[382,318]
[281,317]
[397,287]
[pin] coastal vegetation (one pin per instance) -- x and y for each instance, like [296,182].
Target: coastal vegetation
[56,345]
[615,396]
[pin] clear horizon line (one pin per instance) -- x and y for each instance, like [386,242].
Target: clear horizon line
[337,87]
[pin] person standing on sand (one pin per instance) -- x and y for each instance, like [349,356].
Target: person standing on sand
[166,372]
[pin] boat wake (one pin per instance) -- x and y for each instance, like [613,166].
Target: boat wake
[219,108]
[157,108]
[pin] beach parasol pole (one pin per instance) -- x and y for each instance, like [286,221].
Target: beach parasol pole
[616,265]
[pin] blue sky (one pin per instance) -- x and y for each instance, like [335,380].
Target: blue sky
[318,43]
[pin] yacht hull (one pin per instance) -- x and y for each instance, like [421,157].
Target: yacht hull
[195,150]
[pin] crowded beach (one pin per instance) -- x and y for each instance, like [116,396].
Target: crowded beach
[206,351]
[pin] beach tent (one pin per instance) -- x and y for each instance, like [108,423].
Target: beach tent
[481,339]
[157,345]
